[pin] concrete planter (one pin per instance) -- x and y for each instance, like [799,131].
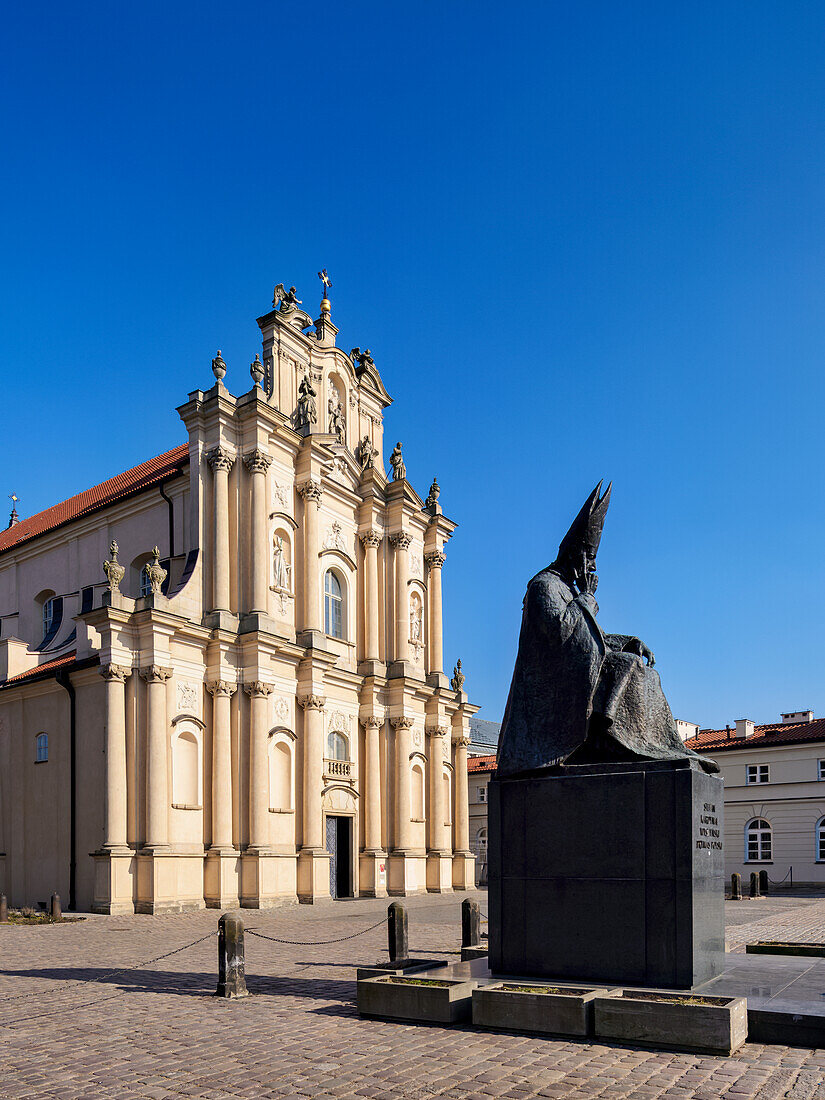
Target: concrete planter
[680,1021]
[568,1011]
[429,1000]
[399,968]
[470,953]
[777,947]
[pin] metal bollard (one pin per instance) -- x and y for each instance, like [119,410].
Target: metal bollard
[470,923]
[735,886]
[754,884]
[763,883]
[231,978]
[397,932]
[55,910]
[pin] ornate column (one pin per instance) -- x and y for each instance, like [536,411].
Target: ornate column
[401,541]
[462,810]
[313,770]
[258,462]
[258,693]
[311,492]
[435,560]
[157,793]
[403,825]
[372,805]
[221,692]
[115,834]
[371,541]
[438,804]
[221,462]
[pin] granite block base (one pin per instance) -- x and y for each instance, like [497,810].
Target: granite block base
[609,873]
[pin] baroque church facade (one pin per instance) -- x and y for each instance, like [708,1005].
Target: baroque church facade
[221,672]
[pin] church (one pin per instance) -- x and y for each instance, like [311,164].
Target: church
[221,672]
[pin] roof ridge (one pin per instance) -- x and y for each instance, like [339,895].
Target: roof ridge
[98,496]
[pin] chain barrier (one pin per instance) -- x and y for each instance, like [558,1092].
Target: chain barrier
[785,879]
[316,943]
[74,983]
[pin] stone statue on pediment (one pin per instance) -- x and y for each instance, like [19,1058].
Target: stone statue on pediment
[307,413]
[366,454]
[399,470]
[285,300]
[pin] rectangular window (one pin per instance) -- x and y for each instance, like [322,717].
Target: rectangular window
[821,769]
[758,773]
[482,794]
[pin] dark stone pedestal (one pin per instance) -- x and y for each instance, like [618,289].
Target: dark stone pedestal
[610,873]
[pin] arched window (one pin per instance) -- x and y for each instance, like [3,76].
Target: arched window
[186,769]
[337,746]
[333,605]
[417,792]
[481,842]
[41,744]
[280,773]
[820,840]
[447,780]
[758,841]
[145,583]
[52,615]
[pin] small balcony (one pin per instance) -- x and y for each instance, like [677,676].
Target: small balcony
[338,769]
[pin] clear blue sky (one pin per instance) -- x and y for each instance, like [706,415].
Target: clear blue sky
[582,240]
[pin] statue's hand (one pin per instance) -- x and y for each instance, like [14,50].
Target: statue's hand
[588,584]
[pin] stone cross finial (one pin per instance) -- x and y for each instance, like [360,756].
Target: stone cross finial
[155,572]
[113,569]
[14,519]
[457,682]
[218,366]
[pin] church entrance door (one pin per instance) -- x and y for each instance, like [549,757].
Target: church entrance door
[339,846]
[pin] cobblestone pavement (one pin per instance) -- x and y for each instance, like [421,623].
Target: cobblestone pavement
[75,1026]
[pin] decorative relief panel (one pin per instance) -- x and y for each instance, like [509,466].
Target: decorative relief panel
[282,710]
[281,496]
[334,538]
[416,563]
[188,697]
[418,737]
[338,721]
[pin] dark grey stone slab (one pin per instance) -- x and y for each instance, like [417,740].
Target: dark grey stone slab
[608,873]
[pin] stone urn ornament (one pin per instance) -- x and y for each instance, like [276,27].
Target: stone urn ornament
[113,569]
[155,572]
[218,366]
[256,369]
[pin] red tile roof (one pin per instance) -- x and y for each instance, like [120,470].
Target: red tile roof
[132,481]
[481,764]
[778,733]
[48,666]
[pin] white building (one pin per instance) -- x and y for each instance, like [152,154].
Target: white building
[774,796]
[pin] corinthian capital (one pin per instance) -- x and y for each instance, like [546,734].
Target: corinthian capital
[312,702]
[115,672]
[257,461]
[371,539]
[221,687]
[373,722]
[435,559]
[463,740]
[155,674]
[258,688]
[435,731]
[401,540]
[310,490]
[219,458]
[401,722]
